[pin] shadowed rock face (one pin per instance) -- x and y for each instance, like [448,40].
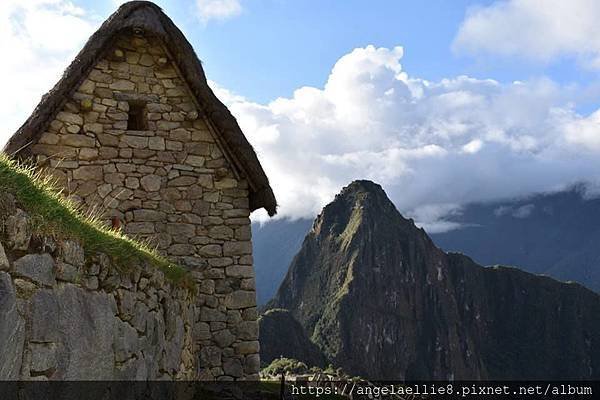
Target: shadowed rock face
[382,301]
[279,323]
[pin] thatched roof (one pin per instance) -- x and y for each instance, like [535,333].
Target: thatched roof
[149,17]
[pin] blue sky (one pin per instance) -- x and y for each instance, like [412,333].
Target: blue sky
[442,102]
[275,46]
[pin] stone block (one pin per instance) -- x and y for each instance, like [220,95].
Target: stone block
[248,284]
[156,143]
[139,227]
[167,125]
[146,60]
[226,183]
[211,250]
[88,154]
[173,145]
[220,262]
[36,267]
[18,231]
[206,286]
[44,313]
[70,118]
[250,347]
[43,356]
[66,272]
[12,331]
[240,271]
[89,172]
[73,128]
[233,367]
[247,330]
[148,215]
[54,150]
[100,77]
[237,248]
[240,299]
[72,253]
[151,183]
[77,140]
[107,139]
[236,213]
[198,148]
[212,197]
[202,331]
[132,182]
[243,233]
[181,229]
[210,356]
[49,138]
[86,321]
[223,338]
[122,85]
[252,366]
[181,249]
[182,181]
[210,315]
[4,264]
[220,232]
[195,161]
[136,142]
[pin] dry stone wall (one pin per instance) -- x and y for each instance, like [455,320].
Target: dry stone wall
[170,183]
[67,315]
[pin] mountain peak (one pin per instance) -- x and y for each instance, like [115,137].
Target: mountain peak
[363,186]
[364,194]
[361,201]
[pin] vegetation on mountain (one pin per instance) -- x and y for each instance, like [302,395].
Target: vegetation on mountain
[372,291]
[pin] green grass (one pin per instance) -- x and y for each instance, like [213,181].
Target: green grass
[56,216]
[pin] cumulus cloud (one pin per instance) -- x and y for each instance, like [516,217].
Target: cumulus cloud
[35,55]
[432,145]
[540,30]
[218,9]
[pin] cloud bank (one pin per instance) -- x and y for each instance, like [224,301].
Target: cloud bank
[540,30]
[218,9]
[37,40]
[432,145]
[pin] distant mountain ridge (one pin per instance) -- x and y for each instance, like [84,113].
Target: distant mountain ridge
[556,234]
[274,245]
[380,300]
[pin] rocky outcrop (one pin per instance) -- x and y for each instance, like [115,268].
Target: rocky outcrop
[68,315]
[382,301]
[278,324]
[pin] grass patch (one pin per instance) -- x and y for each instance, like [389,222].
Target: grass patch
[56,216]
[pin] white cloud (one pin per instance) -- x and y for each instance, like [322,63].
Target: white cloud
[38,38]
[524,211]
[218,9]
[519,212]
[585,131]
[430,144]
[539,30]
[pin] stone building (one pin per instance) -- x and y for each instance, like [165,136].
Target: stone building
[133,132]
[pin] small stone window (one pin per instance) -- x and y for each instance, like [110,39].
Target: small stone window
[137,116]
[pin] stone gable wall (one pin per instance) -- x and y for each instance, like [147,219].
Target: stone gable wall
[170,184]
[66,315]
